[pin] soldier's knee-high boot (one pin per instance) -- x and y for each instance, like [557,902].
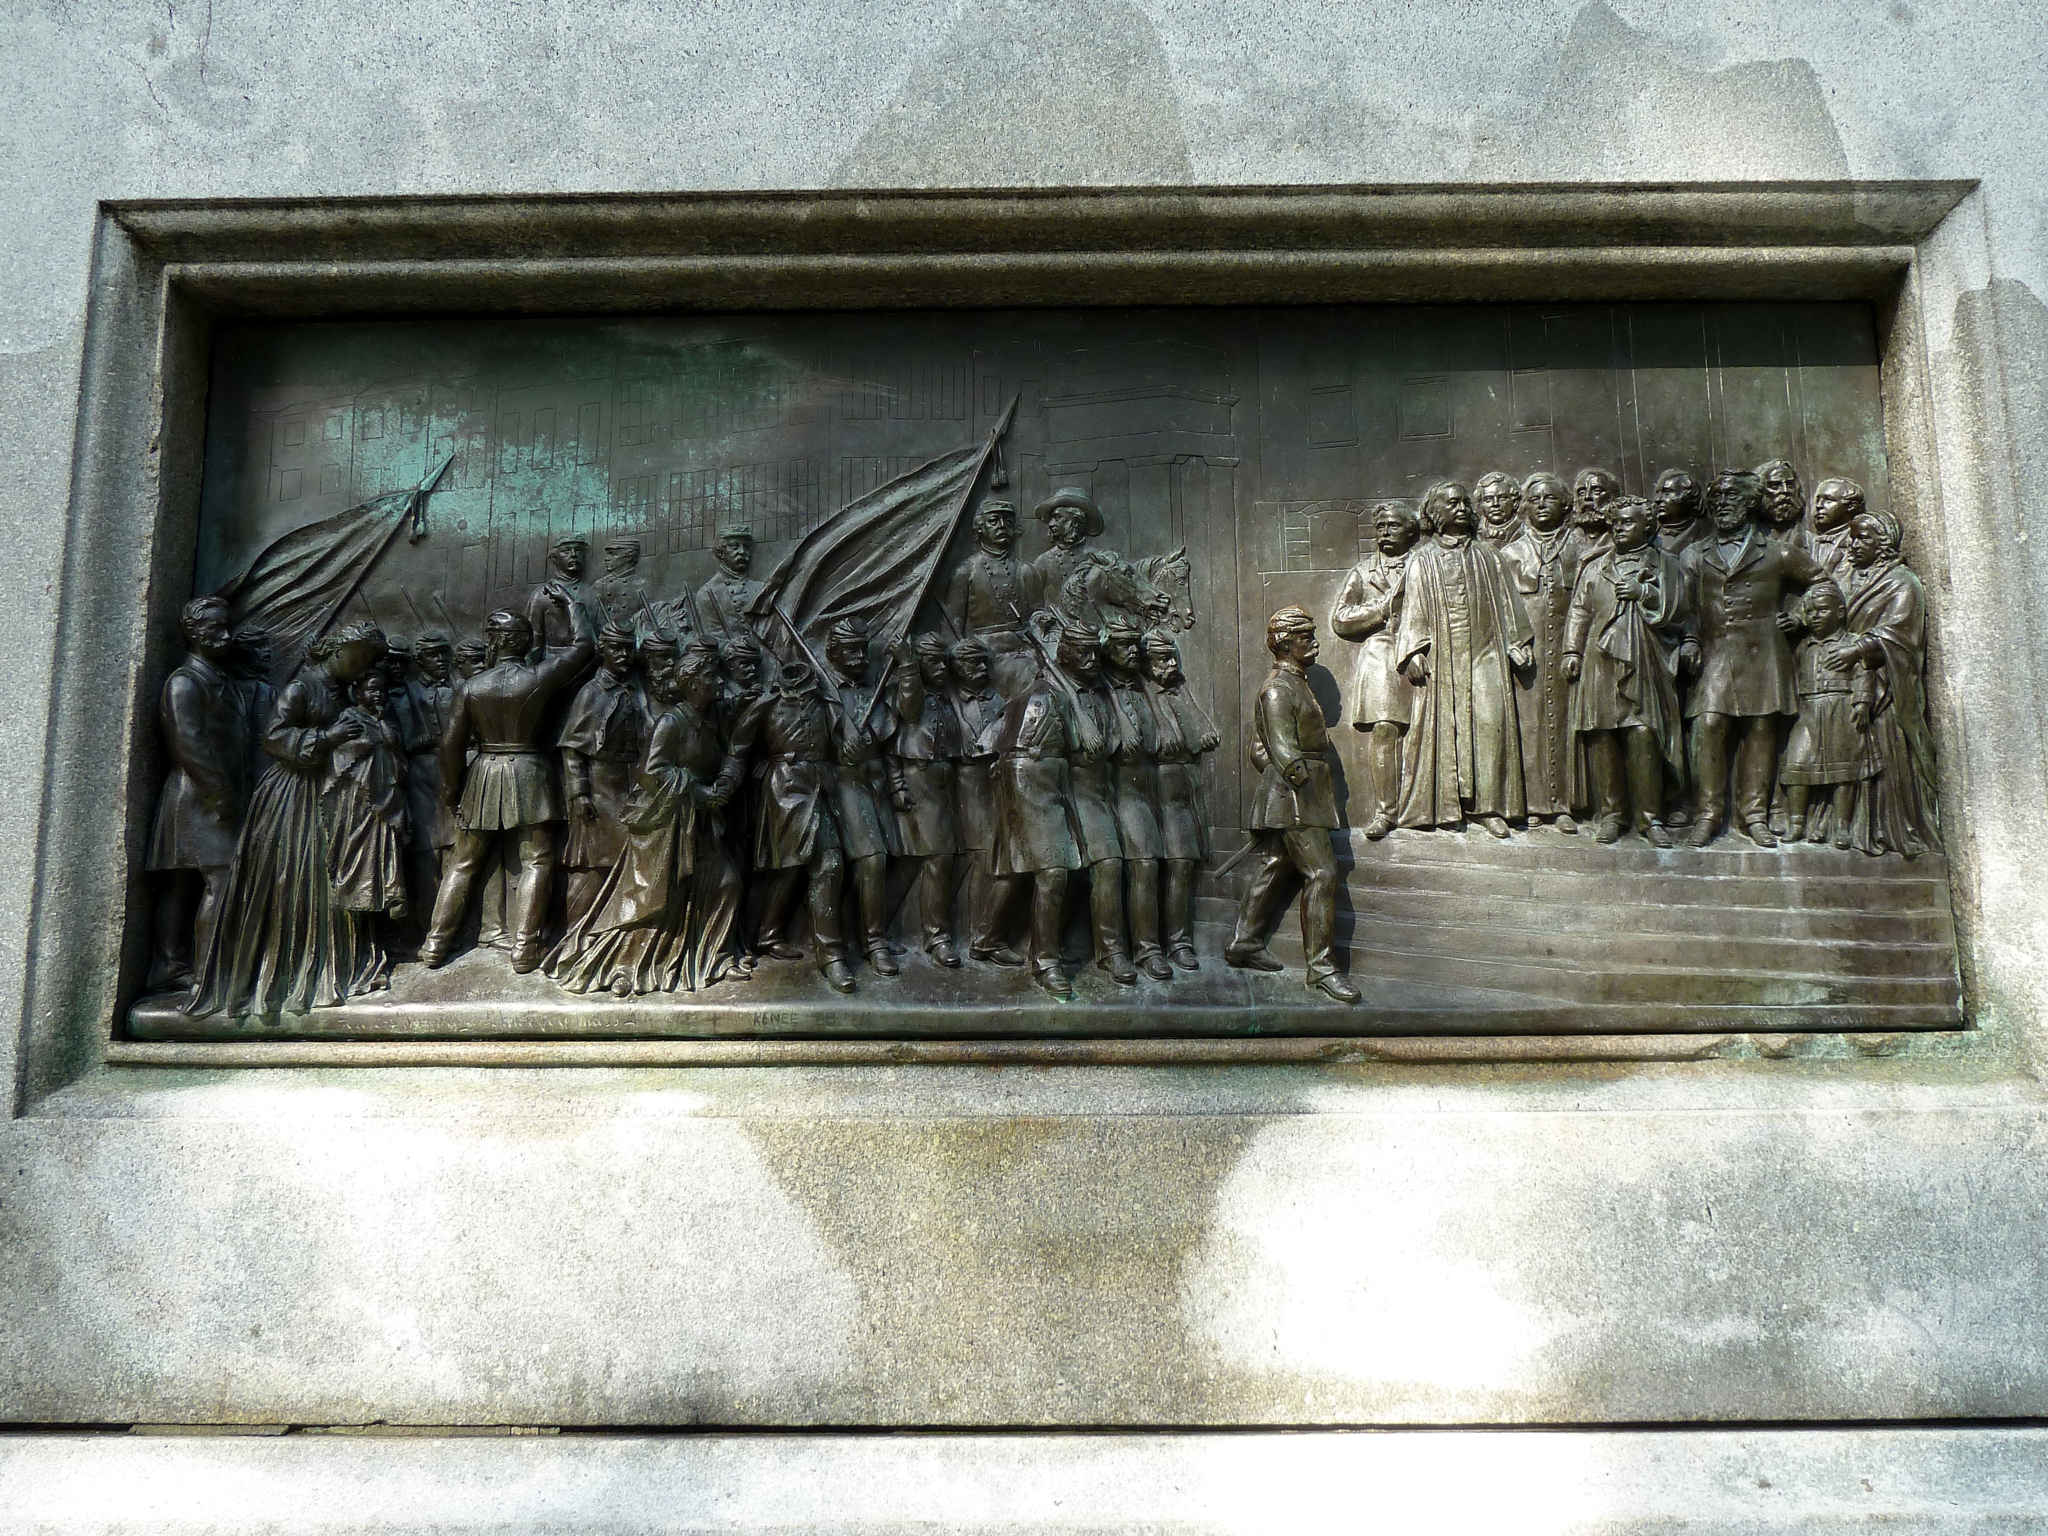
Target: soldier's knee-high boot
[1048,908]
[934,901]
[1106,913]
[828,877]
[529,903]
[1178,912]
[871,884]
[1141,888]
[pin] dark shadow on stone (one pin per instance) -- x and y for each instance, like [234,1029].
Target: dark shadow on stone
[1064,92]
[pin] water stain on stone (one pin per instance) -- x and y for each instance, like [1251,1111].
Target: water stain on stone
[1062,92]
[1625,104]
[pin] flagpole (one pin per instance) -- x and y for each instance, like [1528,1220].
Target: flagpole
[931,568]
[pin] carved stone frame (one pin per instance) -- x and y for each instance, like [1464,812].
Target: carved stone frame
[166,272]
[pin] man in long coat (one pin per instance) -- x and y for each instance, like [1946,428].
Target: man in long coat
[1747,683]
[1543,561]
[787,731]
[199,813]
[1294,810]
[1624,632]
[1035,848]
[1368,610]
[1463,632]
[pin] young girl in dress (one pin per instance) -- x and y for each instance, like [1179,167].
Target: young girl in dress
[1827,751]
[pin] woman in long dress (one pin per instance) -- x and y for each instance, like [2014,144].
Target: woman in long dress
[664,918]
[1888,611]
[284,943]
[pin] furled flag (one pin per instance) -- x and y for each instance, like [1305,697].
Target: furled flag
[295,587]
[874,558]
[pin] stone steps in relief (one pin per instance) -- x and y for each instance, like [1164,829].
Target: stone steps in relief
[1663,922]
[1596,978]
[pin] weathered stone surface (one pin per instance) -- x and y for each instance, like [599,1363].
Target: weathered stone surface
[1557,1484]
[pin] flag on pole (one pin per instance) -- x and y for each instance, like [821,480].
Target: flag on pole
[295,587]
[874,558]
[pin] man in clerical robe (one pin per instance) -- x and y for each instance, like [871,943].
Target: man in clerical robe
[1463,632]
[1543,561]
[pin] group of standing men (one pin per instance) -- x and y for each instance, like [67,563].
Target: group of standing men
[1717,655]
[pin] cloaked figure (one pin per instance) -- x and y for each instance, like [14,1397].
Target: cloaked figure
[1294,811]
[1186,735]
[366,818]
[1369,611]
[665,915]
[1543,560]
[505,799]
[1463,633]
[199,812]
[1828,752]
[1624,636]
[1888,613]
[928,749]
[603,739]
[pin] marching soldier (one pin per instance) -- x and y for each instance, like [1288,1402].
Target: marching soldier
[1293,813]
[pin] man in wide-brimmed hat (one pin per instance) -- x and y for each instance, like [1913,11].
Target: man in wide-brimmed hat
[1071,519]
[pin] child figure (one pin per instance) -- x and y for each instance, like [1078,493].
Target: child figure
[366,807]
[1827,748]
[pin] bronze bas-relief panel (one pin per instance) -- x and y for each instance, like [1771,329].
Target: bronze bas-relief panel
[1010,673]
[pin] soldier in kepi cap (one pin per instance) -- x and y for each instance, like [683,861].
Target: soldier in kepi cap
[723,601]
[870,786]
[622,590]
[548,620]
[1293,812]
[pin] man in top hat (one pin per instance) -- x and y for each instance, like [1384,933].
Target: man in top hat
[991,593]
[1071,520]
[549,621]
[723,601]
[622,590]
[1293,814]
